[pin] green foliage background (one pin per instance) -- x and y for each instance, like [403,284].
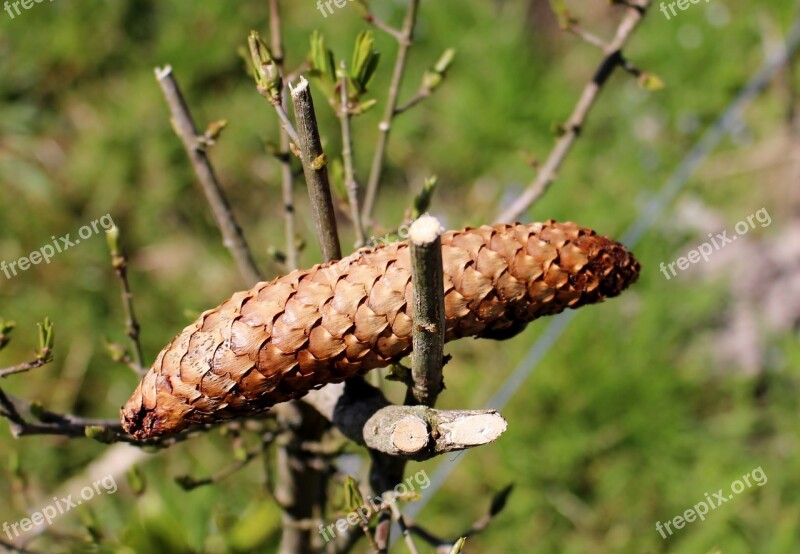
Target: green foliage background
[625,422]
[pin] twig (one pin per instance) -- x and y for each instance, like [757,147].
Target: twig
[592,39]
[443,545]
[185,128]
[404,39]
[613,58]
[287,178]
[120,264]
[349,167]
[189,483]
[372,19]
[44,354]
[428,310]
[22,368]
[315,168]
[421,95]
[72,426]
[412,548]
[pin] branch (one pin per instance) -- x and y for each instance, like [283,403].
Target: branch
[428,310]
[185,128]
[442,545]
[349,167]
[120,265]
[613,57]
[315,168]
[362,413]
[44,354]
[404,40]
[22,368]
[287,178]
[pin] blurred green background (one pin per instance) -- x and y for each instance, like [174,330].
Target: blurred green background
[646,403]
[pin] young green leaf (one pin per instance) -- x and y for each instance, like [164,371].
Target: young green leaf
[364,64]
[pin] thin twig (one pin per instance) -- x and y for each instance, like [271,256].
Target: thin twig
[287,178]
[287,124]
[613,58]
[22,368]
[120,264]
[347,155]
[373,19]
[592,39]
[421,95]
[412,548]
[315,168]
[404,40]
[428,310]
[189,483]
[185,128]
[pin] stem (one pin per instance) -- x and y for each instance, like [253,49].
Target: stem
[287,179]
[428,310]
[184,126]
[349,167]
[404,43]
[22,368]
[120,264]
[315,168]
[613,58]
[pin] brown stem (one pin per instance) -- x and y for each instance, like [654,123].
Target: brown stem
[120,264]
[315,168]
[613,58]
[404,41]
[427,277]
[22,368]
[185,128]
[287,178]
[349,167]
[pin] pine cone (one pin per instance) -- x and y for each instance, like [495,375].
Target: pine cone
[334,321]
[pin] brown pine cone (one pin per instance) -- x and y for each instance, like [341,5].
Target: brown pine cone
[334,321]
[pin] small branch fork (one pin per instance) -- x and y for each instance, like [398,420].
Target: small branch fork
[634,13]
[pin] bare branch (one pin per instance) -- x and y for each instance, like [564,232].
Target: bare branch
[22,368]
[120,264]
[428,310]
[362,413]
[315,168]
[287,178]
[347,155]
[613,58]
[185,128]
[404,40]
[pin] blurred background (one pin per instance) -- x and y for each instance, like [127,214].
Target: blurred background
[643,405]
